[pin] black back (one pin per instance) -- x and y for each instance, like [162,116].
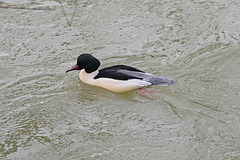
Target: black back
[112,72]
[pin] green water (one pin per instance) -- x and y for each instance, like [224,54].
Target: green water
[48,114]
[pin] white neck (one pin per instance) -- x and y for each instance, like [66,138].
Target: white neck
[87,77]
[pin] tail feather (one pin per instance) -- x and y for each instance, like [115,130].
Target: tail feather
[161,81]
[154,80]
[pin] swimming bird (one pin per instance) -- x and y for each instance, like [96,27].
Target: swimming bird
[118,78]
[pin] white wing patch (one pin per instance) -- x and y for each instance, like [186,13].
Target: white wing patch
[139,82]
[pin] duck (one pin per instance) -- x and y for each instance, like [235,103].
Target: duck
[117,78]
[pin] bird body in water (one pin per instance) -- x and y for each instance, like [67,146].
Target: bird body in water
[118,78]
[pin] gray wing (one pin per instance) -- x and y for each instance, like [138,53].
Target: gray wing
[154,80]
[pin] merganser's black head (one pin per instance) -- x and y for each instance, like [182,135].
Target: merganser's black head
[87,62]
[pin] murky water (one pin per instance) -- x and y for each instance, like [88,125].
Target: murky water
[48,114]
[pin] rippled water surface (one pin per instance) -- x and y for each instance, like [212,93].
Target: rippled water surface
[48,114]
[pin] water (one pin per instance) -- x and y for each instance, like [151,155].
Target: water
[48,114]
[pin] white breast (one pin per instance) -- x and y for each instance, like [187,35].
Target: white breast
[118,86]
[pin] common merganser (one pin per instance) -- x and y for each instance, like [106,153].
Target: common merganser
[118,78]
